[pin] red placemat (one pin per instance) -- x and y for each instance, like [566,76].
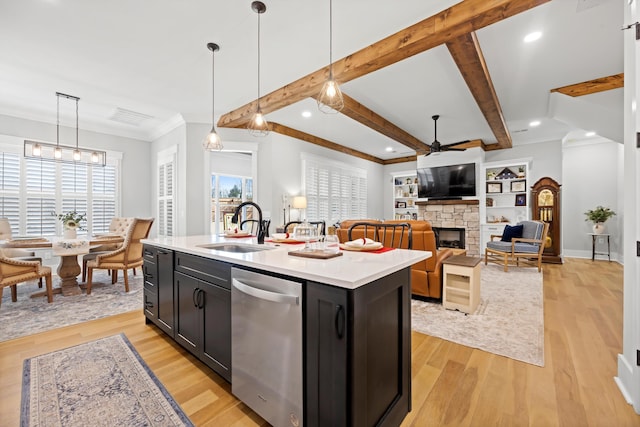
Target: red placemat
[381,250]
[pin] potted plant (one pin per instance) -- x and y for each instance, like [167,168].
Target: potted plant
[71,222]
[598,217]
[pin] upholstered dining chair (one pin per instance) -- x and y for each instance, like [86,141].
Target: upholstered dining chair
[392,235]
[119,225]
[17,254]
[13,272]
[128,256]
[522,243]
[288,227]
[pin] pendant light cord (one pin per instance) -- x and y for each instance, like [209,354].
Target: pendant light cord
[258,61]
[58,120]
[77,131]
[330,40]
[213,89]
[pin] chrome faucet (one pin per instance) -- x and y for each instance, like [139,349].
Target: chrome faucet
[261,230]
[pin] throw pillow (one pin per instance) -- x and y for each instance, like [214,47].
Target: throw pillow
[511,231]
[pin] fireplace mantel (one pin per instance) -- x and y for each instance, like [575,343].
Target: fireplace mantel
[449,202]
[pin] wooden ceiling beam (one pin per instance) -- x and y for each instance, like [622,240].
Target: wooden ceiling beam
[303,136]
[615,81]
[358,112]
[449,24]
[468,56]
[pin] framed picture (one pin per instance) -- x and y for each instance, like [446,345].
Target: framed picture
[494,187]
[227,221]
[401,204]
[521,200]
[518,186]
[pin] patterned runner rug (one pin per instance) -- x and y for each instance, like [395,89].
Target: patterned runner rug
[99,383]
[509,320]
[28,315]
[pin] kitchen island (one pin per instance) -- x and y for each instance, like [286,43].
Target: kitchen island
[354,330]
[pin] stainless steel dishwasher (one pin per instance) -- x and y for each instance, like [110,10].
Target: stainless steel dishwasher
[266,346]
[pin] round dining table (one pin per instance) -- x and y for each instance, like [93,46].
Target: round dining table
[68,250]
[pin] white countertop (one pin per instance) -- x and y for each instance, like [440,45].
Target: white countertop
[349,271]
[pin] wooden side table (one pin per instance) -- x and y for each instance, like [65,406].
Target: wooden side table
[461,283]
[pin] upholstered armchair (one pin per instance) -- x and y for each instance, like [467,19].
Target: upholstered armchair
[119,225]
[523,242]
[13,272]
[6,234]
[128,256]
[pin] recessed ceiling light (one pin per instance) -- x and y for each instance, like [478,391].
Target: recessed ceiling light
[306,114]
[531,37]
[534,123]
[388,149]
[590,133]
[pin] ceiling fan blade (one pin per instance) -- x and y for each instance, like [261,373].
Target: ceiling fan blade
[453,144]
[448,148]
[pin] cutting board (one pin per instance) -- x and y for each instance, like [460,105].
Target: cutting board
[318,253]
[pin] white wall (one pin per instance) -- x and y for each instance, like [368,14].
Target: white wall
[136,197]
[590,178]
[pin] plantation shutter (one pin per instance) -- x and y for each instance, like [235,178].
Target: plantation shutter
[334,191]
[9,189]
[103,189]
[166,193]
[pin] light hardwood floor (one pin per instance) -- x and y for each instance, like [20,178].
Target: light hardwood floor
[452,384]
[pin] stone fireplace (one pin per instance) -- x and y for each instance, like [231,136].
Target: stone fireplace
[454,214]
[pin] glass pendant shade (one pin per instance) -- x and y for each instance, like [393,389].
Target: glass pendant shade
[212,142]
[37,150]
[330,99]
[57,153]
[76,155]
[94,157]
[258,126]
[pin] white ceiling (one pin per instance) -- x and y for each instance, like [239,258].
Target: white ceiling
[150,57]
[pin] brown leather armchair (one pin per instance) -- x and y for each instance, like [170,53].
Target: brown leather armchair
[426,276]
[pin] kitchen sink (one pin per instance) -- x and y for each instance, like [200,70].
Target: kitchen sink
[238,248]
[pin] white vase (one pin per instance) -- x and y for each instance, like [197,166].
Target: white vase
[598,228]
[70,233]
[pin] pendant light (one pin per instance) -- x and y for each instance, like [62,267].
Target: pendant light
[258,126]
[64,153]
[213,142]
[330,98]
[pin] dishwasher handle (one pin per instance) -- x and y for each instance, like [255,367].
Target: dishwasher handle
[265,295]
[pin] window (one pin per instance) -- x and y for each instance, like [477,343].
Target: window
[226,194]
[32,190]
[334,190]
[166,194]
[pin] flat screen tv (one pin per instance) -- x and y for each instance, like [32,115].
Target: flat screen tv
[447,182]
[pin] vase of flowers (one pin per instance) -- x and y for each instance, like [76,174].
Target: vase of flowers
[71,223]
[598,217]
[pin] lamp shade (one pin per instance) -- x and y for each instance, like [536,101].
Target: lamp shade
[299,202]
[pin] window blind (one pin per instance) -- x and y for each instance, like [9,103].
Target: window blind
[334,191]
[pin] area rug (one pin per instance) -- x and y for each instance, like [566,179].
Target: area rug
[99,383]
[509,320]
[32,315]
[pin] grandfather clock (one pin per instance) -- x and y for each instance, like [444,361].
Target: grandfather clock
[545,195]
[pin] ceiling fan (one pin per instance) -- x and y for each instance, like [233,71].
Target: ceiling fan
[436,147]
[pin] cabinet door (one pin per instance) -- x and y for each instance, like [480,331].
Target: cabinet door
[164,260]
[188,317]
[216,329]
[327,330]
